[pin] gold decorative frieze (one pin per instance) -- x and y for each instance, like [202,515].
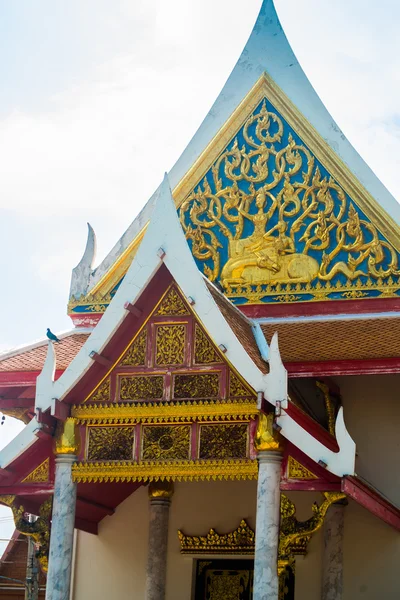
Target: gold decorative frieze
[165,442]
[237,388]
[204,350]
[239,541]
[170,344]
[102,393]
[172,305]
[204,385]
[40,474]
[141,387]
[164,412]
[178,470]
[110,443]
[296,470]
[223,441]
[136,354]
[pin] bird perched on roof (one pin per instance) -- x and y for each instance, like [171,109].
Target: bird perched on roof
[51,336]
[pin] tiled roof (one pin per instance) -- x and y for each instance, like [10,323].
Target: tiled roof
[33,359]
[350,339]
[240,326]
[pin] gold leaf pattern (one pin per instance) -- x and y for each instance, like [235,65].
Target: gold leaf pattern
[204,350]
[140,387]
[170,344]
[136,354]
[40,474]
[166,442]
[240,541]
[298,471]
[110,443]
[196,386]
[102,394]
[172,305]
[237,388]
[223,441]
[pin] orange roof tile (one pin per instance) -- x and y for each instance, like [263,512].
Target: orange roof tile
[33,359]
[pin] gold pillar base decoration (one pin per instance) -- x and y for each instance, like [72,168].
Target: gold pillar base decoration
[267,438]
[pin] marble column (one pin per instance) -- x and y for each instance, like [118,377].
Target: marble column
[160,494]
[266,581]
[332,560]
[62,530]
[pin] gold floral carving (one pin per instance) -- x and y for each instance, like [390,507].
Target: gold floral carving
[161,412]
[296,470]
[102,393]
[204,385]
[40,474]
[161,489]
[227,585]
[239,541]
[281,220]
[7,500]
[178,470]
[110,443]
[166,442]
[204,350]
[223,441]
[170,344]
[172,305]
[237,388]
[17,413]
[141,387]
[136,354]
[266,437]
[67,438]
[295,535]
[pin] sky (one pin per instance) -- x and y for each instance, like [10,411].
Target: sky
[98,99]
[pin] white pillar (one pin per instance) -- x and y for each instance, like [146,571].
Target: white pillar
[62,530]
[160,495]
[266,581]
[332,560]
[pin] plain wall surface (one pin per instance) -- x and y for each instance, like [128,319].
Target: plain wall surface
[112,565]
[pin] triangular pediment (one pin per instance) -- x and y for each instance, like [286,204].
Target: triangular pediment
[273,215]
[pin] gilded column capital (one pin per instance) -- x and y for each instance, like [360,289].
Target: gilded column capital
[67,437]
[161,490]
[267,438]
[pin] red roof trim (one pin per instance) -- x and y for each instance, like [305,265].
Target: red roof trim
[376,366]
[371,500]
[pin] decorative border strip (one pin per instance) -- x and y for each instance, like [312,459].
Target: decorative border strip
[182,470]
[146,412]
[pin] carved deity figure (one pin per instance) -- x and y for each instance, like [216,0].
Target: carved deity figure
[266,256]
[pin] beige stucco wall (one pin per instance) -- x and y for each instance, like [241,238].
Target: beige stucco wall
[372,416]
[112,564]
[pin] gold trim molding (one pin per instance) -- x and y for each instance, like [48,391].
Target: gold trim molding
[132,413]
[239,541]
[179,470]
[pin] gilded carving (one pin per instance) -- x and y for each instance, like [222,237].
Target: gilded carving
[67,437]
[227,585]
[166,442]
[170,344]
[40,474]
[17,413]
[266,437]
[102,393]
[110,443]
[172,305]
[171,411]
[223,441]
[329,406]
[296,470]
[141,387]
[196,386]
[136,354]
[175,470]
[237,388]
[161,489]
[204,351]
[281,218]
[239,541]
[39,530]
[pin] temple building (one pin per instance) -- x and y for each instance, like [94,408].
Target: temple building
[221,422]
